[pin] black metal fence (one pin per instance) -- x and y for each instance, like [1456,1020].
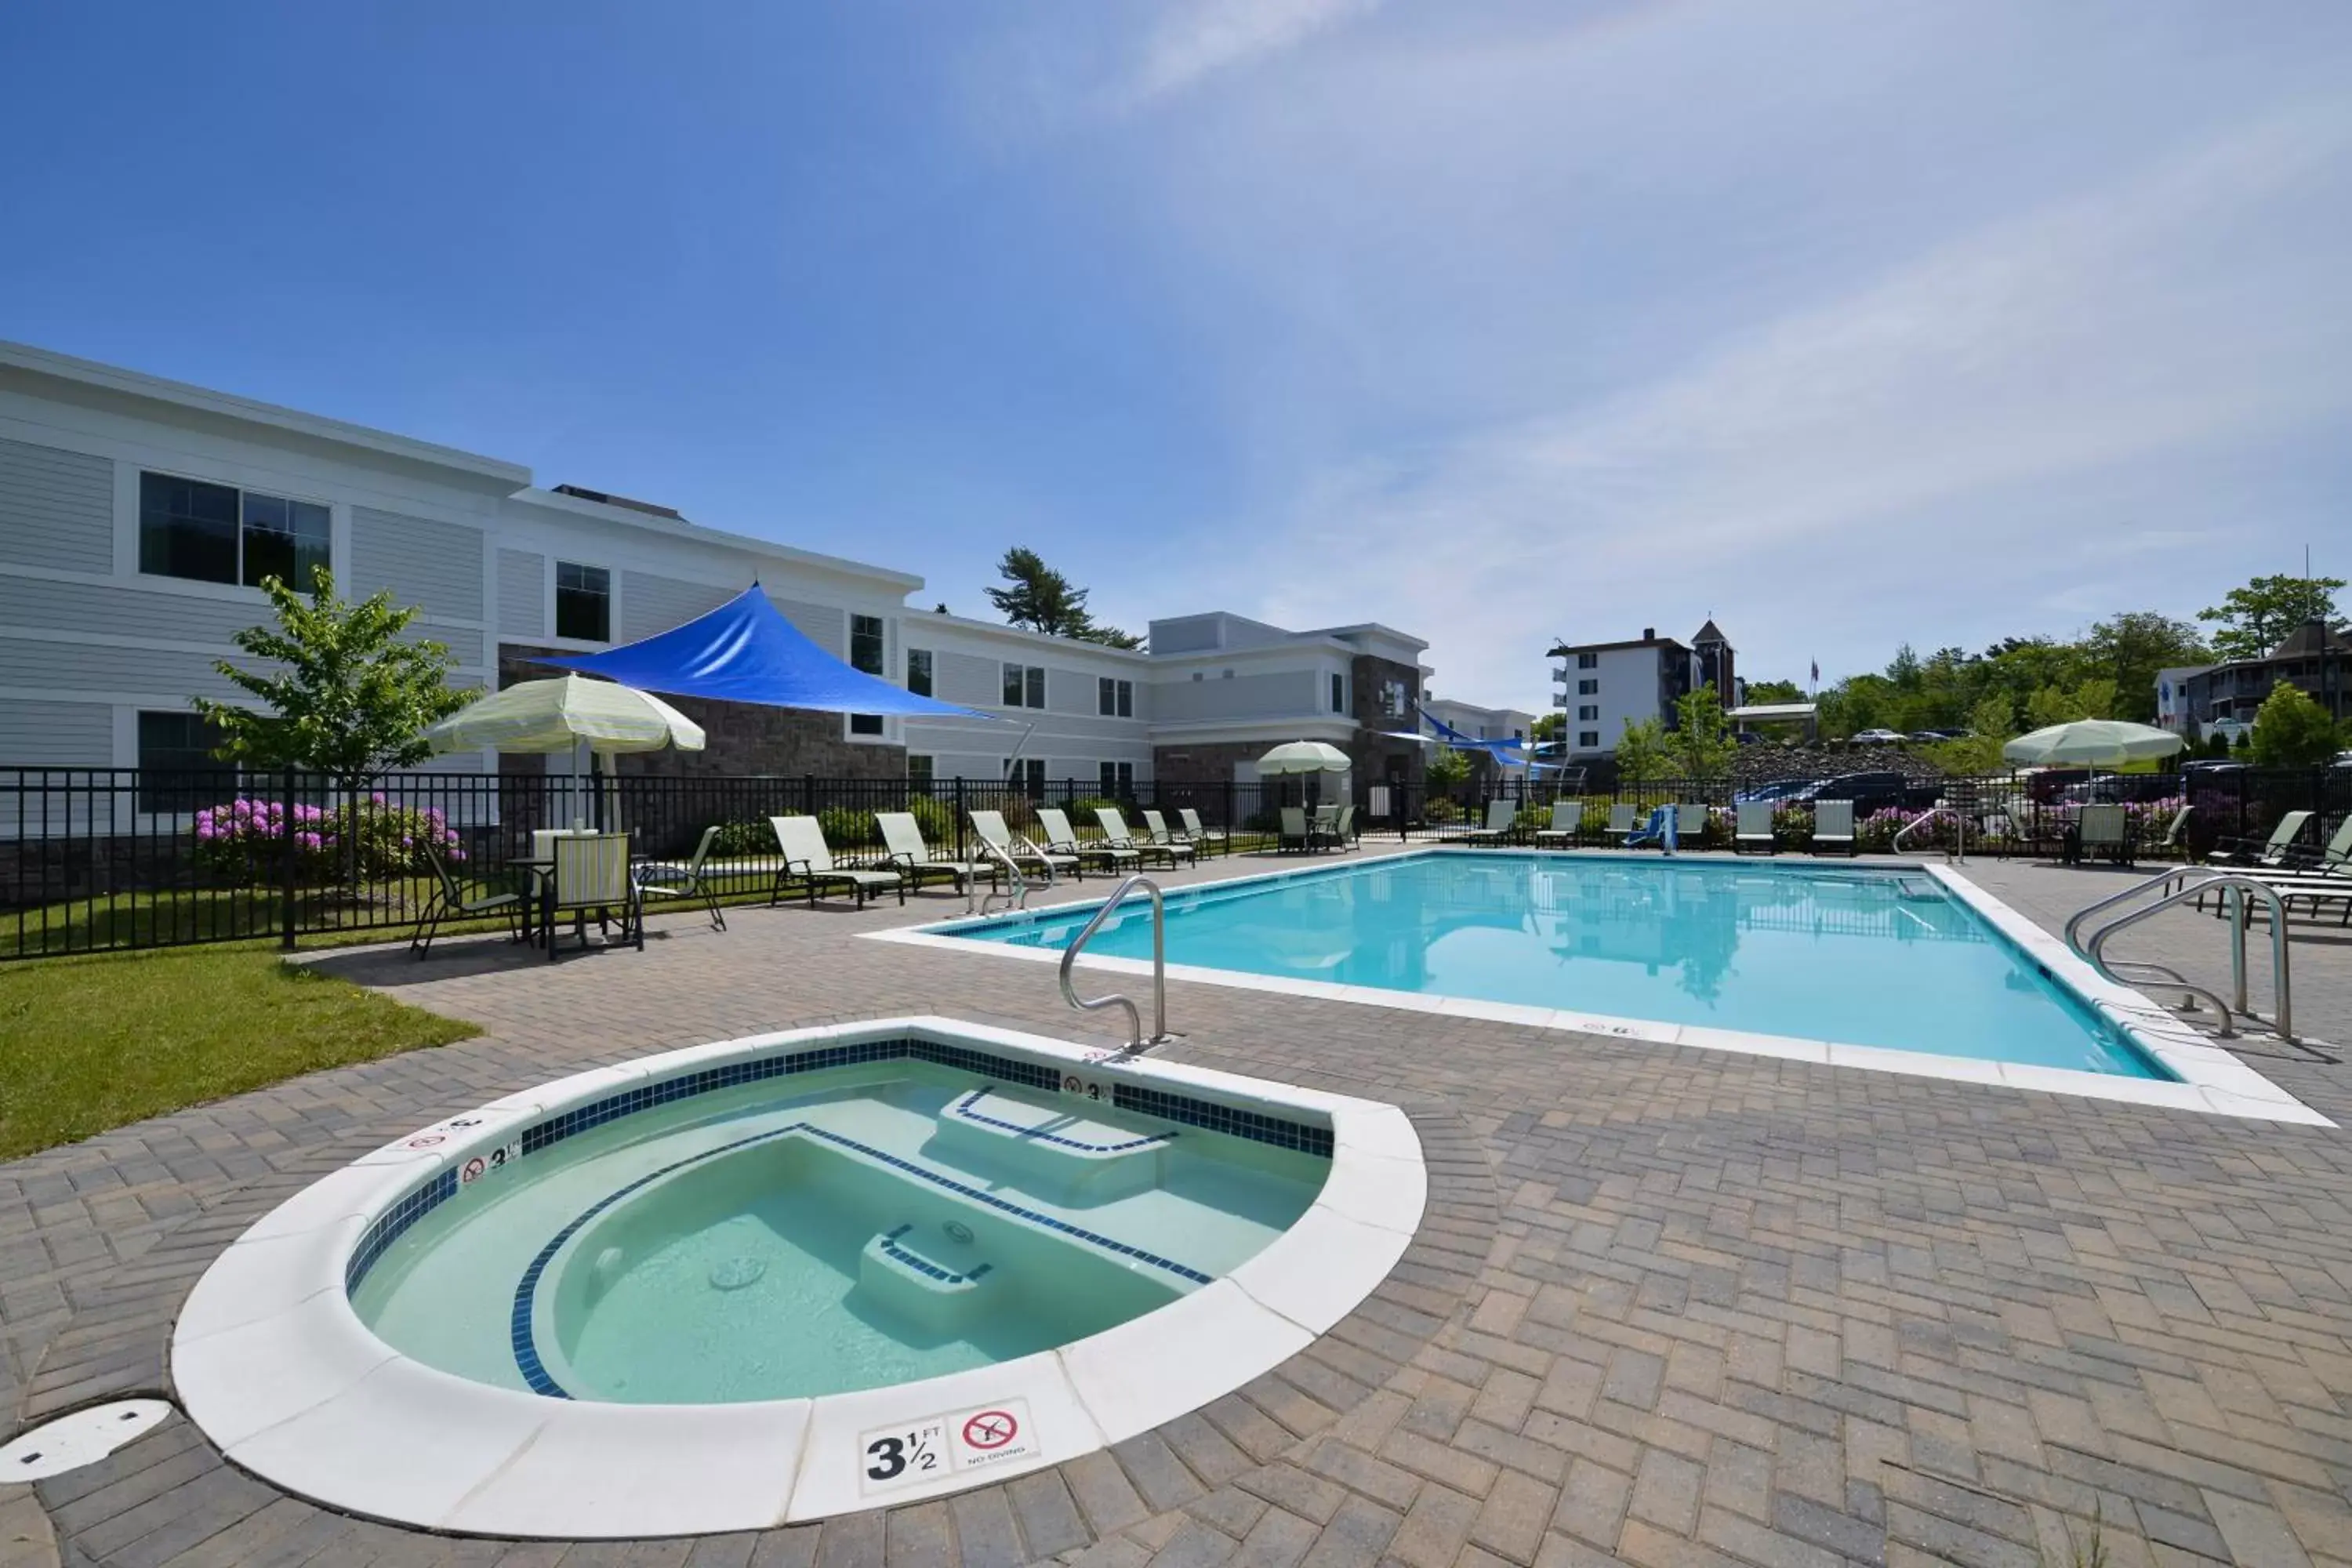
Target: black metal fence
[98,860]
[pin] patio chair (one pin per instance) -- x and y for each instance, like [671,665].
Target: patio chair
[1623,820]
[1113,823]
[662,880]
[1323,826]
[1834,825]
[1567,821]
[801,840]
[1062,840]
[2103,830]
[1206,838]
[993,832]
[1292,830]
[1502,816]
[902,836]
[1691,820]
[2271,851]
[1344,830]
[1753,829]
[2333,856]
[591,871]
[1157,837]
[447,901]
[2172,843]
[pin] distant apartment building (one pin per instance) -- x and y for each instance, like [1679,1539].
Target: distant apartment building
[1601,687]
[138,517]
[2317,658]
[1478,724]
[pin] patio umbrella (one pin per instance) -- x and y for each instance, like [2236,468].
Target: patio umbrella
[567,713]
[1303,757]
[2093,743]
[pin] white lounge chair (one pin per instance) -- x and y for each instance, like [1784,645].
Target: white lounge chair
[804,845]
[1833,825]
[1173,844]
[1501,814]
[1206,838]
[1113,823]
[1062,840]
[1567,819]
[902,835]
[1623,820]
[2273,851]
[1690,826]
[991,828]
[1753,830]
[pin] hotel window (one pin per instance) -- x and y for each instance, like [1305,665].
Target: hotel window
[918,672]
[1114,699]
[1339,694]
[1588,661]
[866,636]
[1588,738]
[1027,774]
[918,769]
[215,533]
[1588,713]
[1025,686]
[1587,688]
[1118,779]
[178,770]
[1392,698]
[584,601]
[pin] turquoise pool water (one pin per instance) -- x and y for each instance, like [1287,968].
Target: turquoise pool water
[1853,956]
[841,1229]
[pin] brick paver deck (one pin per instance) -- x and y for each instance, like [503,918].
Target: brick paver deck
[1669,1307]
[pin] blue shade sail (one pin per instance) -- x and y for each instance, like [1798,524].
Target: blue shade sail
[745,651]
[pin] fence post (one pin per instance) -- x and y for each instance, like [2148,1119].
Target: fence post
[961,817]
[286,863]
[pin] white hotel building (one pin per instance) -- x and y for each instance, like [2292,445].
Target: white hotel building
[137,515]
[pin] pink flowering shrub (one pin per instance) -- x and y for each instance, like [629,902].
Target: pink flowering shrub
[245,839]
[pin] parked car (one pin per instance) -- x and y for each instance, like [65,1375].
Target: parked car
[2045,785]
[1870,792]
[2113,788]
[1879,738]
[1778,790]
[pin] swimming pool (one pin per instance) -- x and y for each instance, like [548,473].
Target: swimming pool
[1860,956]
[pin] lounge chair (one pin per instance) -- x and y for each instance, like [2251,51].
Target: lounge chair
[1690,826]
[2103,830]
[1062,840]
[902,835]
[1323,826]
[2172,842]
[1345,830]
[1753,830]
[1501,817]
[2334,856]
[2271,851]
[591,871]
[1113,822]
[804,845]
[991,828]
[1155,829]
[1834,825]
[1292,830]
[1567,820]
[1623,820]
[663,881]
[1206,838]
[449,901]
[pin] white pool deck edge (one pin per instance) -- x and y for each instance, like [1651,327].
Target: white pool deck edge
[269,1359]
[2211,1079]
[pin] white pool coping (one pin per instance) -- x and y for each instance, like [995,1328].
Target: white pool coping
[2211,1080]
[272,1363]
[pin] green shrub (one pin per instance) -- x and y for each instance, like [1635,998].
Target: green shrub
[742,840]
[1441,809]
[937,818]
[848,828]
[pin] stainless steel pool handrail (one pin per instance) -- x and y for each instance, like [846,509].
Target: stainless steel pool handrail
[1018,897]
[1135,1040]
[2173,887]
[1927,819]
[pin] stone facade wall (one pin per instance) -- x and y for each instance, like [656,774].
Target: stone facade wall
[1379,760]
[744,739]
[1206,763]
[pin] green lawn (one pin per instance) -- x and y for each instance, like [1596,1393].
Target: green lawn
[88,1044]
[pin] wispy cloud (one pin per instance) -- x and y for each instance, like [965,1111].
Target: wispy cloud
[1194,42]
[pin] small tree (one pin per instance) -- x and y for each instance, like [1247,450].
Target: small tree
[1992,722]
[2292,730]
[2258,616]
[1700,745]
[1045,601]
[1642,751]
[1447,770]
[351,698]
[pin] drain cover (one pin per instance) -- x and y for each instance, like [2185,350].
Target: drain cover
[84,1437]
[736,1273]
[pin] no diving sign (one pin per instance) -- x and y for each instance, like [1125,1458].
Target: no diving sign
[982,1437]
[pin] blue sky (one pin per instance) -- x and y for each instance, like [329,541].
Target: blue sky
[1846,321]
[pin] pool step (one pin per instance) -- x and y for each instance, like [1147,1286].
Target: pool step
[924,1279]
[1053,1142]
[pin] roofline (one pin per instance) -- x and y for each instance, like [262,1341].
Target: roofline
[905,583]
[1365,627]
[1563,650]
[1019,633]
[179,394]
[1255,650]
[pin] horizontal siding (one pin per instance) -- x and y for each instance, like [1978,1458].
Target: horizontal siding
[1287,694]
[57,509]
[105,666]
[652,603]
[827,626]
[43,605]
[522,593]
[437,566]
[961,677]
[465,643]
[57,735]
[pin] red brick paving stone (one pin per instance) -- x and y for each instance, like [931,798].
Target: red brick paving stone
[1229,1510]
[1105,1496]
[1279,1540]
[1195,1545]
[1159,1476]
[1436,1529]
[1511,1521]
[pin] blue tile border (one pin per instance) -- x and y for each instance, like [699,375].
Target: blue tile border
[963,1110]
[924,1266]
[1168,1106]
[526,1352]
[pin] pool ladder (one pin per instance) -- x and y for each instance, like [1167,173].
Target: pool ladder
[1135,1038]
[2176,887]
[1017,895]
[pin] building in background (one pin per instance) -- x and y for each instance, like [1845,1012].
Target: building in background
[1601,687]
[2202,701]
[138,517]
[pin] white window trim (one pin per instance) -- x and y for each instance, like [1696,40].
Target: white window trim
[555,565]
[127,537]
